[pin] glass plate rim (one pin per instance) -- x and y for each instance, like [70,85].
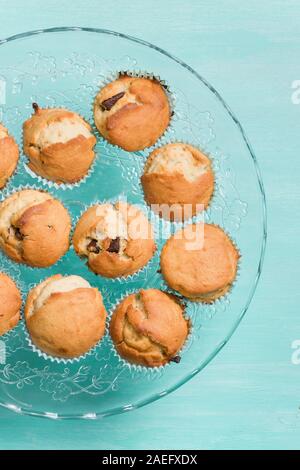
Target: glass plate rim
[154,397]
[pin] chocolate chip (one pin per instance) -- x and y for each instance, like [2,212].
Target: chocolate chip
[106,105]
[18,234]
[114,246]
[176,359]
[93,247]
[35,107]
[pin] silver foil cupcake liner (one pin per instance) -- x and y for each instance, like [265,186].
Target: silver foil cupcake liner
[151,372]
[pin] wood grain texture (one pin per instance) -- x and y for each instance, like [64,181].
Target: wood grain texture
[249,396]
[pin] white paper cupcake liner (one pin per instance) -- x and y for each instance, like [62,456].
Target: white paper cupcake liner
[223,298]
[114,75]
[51,184]
[21,286]
[201,216]
[17,170]
[151,372]
[56,359]
[23,161]
[150,264]
[9,192]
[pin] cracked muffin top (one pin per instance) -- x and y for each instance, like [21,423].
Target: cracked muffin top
[132,112]
[149,328]
[65,316]
[10,304]
[34,228]
[117,239]
[179,177]
[59,144]
[9,155]
[200,262]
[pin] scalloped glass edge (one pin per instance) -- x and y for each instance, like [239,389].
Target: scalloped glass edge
[163,393]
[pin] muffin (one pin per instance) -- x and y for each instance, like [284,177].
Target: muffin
[59,144]
[149,328]
[34,228]
[10,301]
[132,112]
[65,316]
[117,239]
[178,181]
[9,156]
[200,261]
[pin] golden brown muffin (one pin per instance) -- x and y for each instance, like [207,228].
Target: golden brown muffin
[149,328]
[59,144]
[34,228]
[178,181]
[9,156]
[10,304]
[117,239]
[65,316]
[200,261]
[132,112]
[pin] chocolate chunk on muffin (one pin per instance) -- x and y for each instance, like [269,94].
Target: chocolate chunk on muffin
[9,156]
[10,304]
[200,261]
[34,228]
[65,316]
[178,181]
[117,239]
[149,328]
[59,144]
[132,112]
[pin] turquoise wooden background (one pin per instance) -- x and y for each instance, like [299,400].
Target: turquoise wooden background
[249,396]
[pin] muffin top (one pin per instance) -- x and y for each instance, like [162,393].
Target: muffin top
[116,238]
[59,144]
[10,304]
[132,112]
[65,316]
[178,174]
[3,131]
[149,328]
[178,158]
[52,126]
[34,228]
[200,261]
[9,155]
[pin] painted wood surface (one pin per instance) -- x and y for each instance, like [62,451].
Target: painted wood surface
[249,396]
